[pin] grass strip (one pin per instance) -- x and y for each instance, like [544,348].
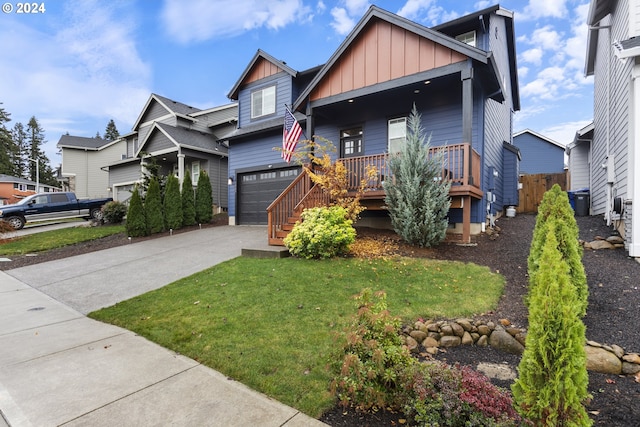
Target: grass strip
[47,240]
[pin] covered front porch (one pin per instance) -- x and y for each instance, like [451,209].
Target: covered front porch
[460,165]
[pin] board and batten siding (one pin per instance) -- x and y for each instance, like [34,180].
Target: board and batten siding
[282,81]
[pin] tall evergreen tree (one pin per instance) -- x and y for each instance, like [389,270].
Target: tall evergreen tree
[153,208]
[8,149]
[204,199]
[188,201]
[136,218]
[111,132]
[417,197]
[551,388]
[21,163]
[172,204]
[35,141]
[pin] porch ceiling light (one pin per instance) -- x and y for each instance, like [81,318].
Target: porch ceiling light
[427,82]
[350,101]
[230,181]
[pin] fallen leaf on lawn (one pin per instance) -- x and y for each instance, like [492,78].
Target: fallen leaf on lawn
[196,303]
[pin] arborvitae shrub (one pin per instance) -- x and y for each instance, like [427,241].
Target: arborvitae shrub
[136,218]
[322,233]
[172,204]
[114,212]
[552,384]
[153,207]
[204,199]
[556,210]
[188,201]
[417,197]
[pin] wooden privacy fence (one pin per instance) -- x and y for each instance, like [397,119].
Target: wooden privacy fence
[533,188]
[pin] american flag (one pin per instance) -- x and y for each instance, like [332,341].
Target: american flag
[290,135]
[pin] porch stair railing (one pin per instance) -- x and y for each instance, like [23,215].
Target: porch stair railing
[460,165]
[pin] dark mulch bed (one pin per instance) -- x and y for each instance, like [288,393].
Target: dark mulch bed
[614,304]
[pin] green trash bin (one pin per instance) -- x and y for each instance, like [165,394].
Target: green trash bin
[582,202]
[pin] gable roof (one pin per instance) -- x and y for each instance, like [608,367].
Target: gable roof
[261,57]
[15,179]
[84,143]
[374,13]
[185,138]
[539,136]
[176,108]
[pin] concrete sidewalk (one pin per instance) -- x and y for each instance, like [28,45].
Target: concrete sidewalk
[58,367]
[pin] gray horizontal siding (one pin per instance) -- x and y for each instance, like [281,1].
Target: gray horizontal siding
[283,96]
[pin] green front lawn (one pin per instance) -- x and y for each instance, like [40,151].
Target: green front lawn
[46,240]
[271,323]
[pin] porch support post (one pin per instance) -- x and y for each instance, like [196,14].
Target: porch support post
[466,219]
[180,168]
[467,114]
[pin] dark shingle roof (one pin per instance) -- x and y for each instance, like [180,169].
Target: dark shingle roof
[70,141]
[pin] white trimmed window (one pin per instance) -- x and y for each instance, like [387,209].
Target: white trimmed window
[468,38]
[263,102]
[397,134]
[195,172]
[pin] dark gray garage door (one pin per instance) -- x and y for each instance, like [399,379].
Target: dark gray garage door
[256,191]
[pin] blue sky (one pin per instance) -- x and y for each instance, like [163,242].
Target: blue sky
[84,62]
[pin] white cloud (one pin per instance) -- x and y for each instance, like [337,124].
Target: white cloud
[356,7]
[204,19]
[88,70]
[533,56]
[547,38]
[412,9]
[523,71]
[342,23]
[564,132]
[543,9]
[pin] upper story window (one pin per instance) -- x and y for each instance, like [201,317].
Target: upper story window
[263,102]
[397,134]
[468,38]
[351,142]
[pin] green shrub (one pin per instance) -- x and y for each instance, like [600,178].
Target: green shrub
[374,370]
[322,233]
[555,211]
[552,384]
[172,204]
[153,207]
[188,201]
[204,199]
[136,218]
[417,197]
[114,212]
[371,367]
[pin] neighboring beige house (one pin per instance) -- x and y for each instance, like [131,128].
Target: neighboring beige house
[84,161]
[613,58]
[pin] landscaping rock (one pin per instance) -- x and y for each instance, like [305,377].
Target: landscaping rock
[419,336]
[484,330]
[412,345]
[429,342]
[630,368]
[467,339]
[450,341]
[457,329]
[603,361]
[483,341]
[503,341]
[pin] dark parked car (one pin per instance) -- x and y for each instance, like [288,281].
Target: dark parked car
[51,206]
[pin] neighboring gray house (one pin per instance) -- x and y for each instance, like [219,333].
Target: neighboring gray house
[462,77]
[579,155]
[613,53]
[83,161]
[180,139]
[540,154]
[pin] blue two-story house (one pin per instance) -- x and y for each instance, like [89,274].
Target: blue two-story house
[462,77]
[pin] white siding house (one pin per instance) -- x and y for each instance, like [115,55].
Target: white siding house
[613,51]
